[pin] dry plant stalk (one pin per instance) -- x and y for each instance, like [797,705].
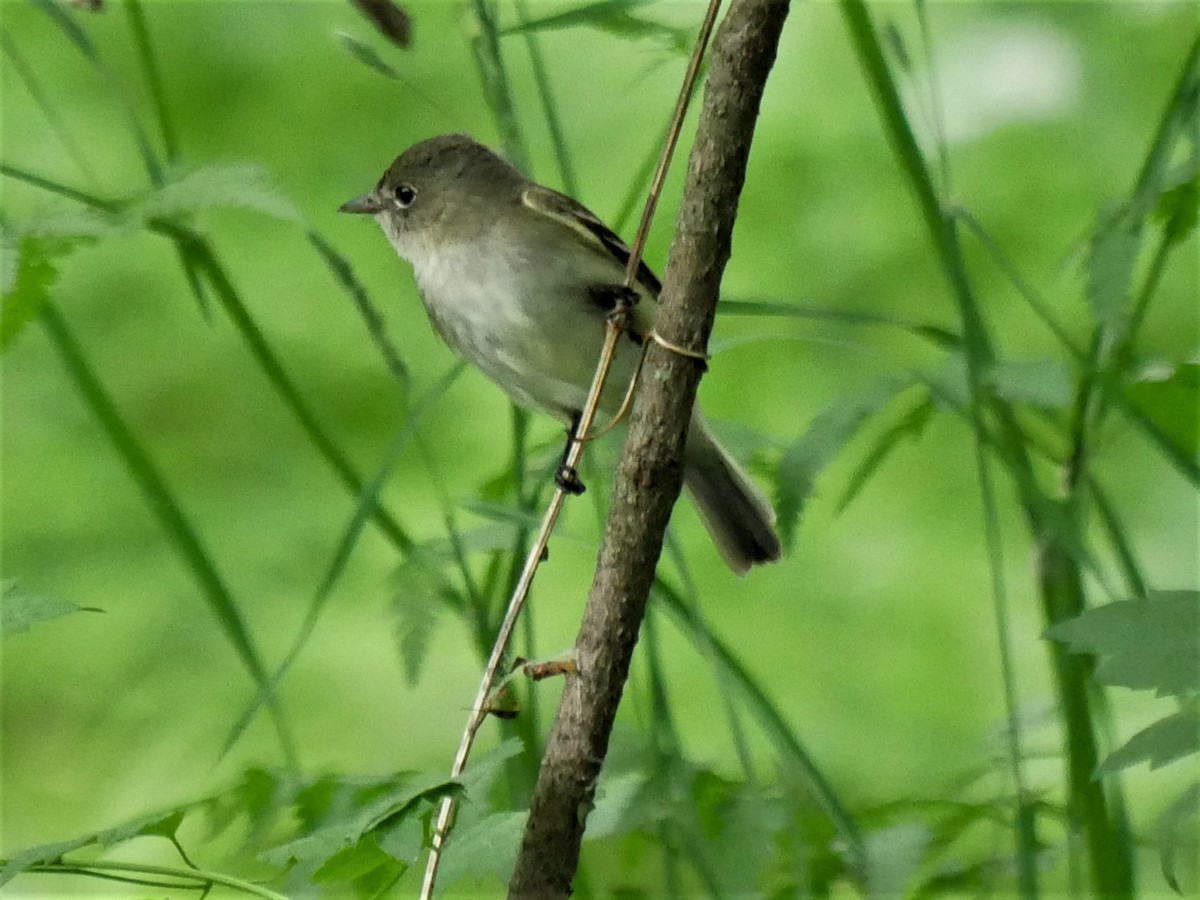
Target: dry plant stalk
[579,436]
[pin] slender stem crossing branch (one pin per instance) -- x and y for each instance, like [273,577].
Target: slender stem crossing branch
[537,552]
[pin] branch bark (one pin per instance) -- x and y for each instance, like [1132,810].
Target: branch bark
[650,475]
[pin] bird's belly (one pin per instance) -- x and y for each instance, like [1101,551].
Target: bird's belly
[540,345]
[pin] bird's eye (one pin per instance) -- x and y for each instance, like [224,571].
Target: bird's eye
[405,194]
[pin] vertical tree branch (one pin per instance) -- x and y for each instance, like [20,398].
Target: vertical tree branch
[650,475]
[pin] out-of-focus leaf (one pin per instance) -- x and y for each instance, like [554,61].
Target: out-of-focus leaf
[1166,740]
[893,855]
[19,610]
[1044,383]
[1169,396]
[28,282]
[389,18]
[366,55]
[910,425]
[825,437]
[940,337]
[340,267]
[1178,209]
[1112,254]
[1141,644]
[1174,826]
[44,853]
[420,597]
[485,849]
[237,185]
[162,824]
[615,17]
[615,797]
[354,862]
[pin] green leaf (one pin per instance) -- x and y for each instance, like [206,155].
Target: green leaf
[936,335]
[893,856]
[1112,255]
[1178,209]
[416,606]
[825,437]
[911,425]
[1045,383]
[1175,826]
[1165,741]
[27,285]
[487,848]
[238,185]
[1141,644]
[613,16]
[353,862]
[366,55]
[1169,395]
[615,798]
[19,610]
[44,853]
[156,825]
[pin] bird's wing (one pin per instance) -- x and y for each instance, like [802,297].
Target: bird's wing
[588,228]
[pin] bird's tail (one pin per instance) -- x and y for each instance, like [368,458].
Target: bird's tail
[736,513]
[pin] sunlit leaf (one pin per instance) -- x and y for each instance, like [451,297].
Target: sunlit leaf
[363,857]
[1141,644]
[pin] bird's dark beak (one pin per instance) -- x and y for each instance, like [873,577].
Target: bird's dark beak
[367,204]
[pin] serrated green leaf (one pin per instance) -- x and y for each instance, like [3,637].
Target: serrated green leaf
[354,862]
[1169,395]
[910,426]
[615,797]
[238,185]
[156,825]
[1113,252]
[1165,741]
[1175,826]
[1141,644]
[826,436]
[19,610]
[488,848]
[31,280]
[366,55]
[43,853]
[1045,383]
[421,586]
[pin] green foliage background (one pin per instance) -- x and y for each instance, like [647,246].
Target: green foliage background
[875,637]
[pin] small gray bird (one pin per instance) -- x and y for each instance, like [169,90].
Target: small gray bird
[519,278]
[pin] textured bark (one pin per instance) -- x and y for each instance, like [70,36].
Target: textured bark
[650,474]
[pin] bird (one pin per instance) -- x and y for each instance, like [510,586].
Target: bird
[519,279]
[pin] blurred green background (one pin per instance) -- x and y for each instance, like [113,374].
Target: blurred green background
[875,636]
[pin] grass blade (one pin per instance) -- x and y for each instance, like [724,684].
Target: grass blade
[187,542]
[364,511]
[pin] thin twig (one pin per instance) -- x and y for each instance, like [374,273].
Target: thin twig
[613,332]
